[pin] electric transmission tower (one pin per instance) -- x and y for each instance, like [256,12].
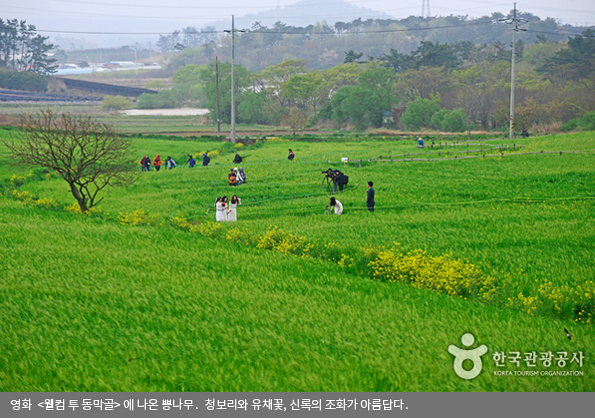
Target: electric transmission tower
[515,28]
[425,8]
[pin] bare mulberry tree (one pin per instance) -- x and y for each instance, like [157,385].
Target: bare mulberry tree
[88,154]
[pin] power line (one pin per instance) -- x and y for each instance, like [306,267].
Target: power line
[148,6]
[268,31]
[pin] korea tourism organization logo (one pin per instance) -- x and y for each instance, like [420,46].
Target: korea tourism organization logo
[468,362]
[462,354]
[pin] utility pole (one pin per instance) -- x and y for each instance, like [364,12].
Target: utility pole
[514,21]
[233,92]
[217,93]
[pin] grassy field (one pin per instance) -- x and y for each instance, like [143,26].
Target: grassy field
[90,304]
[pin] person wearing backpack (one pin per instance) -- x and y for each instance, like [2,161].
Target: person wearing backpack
[170,163]
[147,164]
[232,178]
[205,159]
[157,162]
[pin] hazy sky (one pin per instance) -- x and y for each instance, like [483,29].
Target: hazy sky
[158,16]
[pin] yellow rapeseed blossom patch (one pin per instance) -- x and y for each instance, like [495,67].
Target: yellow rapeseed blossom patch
[95,211]
[180,222]
[439,273]
[277,240]
[74,208]
[345,261]
[51,203]
[22,196]
[18,180]
[527,304]
[208,229]
[140,217]
[578,301]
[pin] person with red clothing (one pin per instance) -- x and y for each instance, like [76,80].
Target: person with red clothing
[157,162]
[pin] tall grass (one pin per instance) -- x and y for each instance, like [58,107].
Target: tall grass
[97,305]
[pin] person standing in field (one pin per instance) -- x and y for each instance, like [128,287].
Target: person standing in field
[219,210]
[191,161]
[143,163]
[232,178]
[147,165]
[157,162]
[370,202]
[233,204]
[170,163]
[336,206]
[241,176]
[205,159]
[225,205]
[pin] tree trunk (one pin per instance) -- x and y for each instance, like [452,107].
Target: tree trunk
[82,201]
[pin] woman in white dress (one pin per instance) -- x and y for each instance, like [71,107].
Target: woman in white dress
[219,210]
[233,204]
[337,206]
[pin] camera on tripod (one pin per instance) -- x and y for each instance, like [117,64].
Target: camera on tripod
[337,177]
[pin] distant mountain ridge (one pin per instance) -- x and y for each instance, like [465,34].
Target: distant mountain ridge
[304,13]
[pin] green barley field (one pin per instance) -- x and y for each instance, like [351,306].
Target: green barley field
[150,294]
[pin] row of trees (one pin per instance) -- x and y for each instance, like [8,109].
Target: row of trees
[189,37]
[324,46]
[436,86]
[22,49]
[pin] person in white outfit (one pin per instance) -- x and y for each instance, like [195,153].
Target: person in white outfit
[337,206]
[233,204]
[220,210]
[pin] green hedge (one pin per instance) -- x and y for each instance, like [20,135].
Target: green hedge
[27,81]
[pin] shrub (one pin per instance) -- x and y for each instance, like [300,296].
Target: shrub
[23,80]
[148,101]
[571,125]
[419,113]
[115,103]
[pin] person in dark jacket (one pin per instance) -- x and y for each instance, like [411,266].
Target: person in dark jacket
[370,197]
[191,161]
[205,159]
[291,155]
[237,159]
[146,162]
